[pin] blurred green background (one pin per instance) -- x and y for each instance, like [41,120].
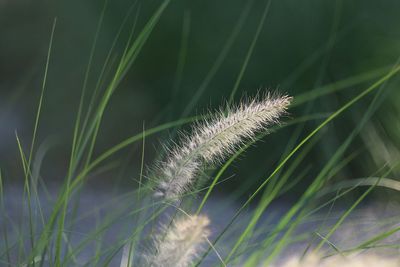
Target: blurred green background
[190,65]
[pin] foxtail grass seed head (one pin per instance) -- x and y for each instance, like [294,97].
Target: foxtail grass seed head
[181,243]
[215,139]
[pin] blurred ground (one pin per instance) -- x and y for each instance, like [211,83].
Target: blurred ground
[97,206]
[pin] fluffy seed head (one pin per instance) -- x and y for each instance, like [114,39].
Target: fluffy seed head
[213,140]
[181,243]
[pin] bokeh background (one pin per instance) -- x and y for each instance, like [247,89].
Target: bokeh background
[190,65]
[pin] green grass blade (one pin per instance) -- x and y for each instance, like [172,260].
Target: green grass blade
[219,60]
[334,115]
[249,52]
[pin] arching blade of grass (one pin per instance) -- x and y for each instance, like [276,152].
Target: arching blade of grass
[274,190]
[344,216]
[127,60]
[248,183]
[379,237]
[337,14]
[366,181]
[26,162]
[106,68]
[372,182]
[337,86]
[138,230]
[99,160]
[219,60]
[106,223]
[80,129]
[302,219]
[334,115]
[99,243]
[316,185]
[39,109]
[134,243]
[134,139]
[337,35]
[307,97]
[268,197]
[322,193]
[243,149]
[27,191]
[123,213]
[249,52]
[129,56]
[314,94]
[28,187]
[72,162]
[96,130]
[84,88]
[182,54]
[125,63]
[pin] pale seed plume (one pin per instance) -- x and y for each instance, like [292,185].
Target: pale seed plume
[215,139]
[181,243]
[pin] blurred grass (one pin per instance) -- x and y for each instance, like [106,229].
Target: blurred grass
[159,64]
[298,44]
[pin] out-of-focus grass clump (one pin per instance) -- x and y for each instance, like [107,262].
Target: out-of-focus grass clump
[90,89]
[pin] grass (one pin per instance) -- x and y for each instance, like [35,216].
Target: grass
[54,232]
